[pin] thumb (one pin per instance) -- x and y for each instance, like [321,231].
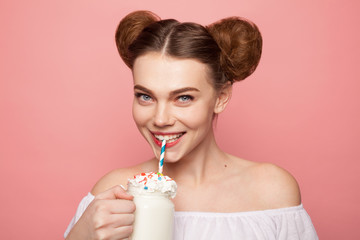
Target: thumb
[115,192]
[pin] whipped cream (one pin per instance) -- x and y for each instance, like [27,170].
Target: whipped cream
[152,182]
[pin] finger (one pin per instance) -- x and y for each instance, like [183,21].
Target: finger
[124,220]
[119,206]
[123,194]
[114,233]
[115,192]
[119,220]
[114,221]
[113,213]
[123,232]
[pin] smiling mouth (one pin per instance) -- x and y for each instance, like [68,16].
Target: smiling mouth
[169,138]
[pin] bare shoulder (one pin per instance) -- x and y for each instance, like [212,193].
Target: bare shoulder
[119,176]
[113,178]
[276,186]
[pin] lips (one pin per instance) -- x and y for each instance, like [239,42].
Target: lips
[171,138]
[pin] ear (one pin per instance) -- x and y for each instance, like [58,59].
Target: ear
[223,98]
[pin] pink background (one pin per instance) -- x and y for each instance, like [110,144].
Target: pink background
[65,105]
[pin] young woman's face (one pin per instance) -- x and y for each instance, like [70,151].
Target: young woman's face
[174,100]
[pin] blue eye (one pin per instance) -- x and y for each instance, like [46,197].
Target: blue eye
[185,98]
[143,97]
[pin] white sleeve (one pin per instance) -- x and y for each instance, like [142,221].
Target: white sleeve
[84,203]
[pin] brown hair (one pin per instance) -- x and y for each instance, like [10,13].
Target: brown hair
[231,47]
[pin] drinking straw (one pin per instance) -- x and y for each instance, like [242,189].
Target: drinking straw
[162,154]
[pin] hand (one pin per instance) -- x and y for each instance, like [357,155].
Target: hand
[109,216]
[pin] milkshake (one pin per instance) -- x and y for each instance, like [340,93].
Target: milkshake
[154,215]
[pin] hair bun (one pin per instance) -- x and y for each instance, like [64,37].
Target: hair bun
[240,42]
[129,29]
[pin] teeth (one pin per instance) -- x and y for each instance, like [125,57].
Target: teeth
[169,138]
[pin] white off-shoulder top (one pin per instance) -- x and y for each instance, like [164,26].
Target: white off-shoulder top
[292,223]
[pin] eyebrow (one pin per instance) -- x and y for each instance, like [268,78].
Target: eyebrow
[172,93]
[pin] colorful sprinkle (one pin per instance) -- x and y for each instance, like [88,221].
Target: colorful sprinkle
[144,179]
[154,181]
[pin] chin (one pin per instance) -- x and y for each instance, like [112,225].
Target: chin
[170,157]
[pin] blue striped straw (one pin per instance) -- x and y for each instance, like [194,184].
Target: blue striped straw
[162,154]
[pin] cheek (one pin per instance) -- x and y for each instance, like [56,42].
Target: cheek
[199,116]
[139,114]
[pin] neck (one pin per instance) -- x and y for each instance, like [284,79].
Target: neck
[200,165]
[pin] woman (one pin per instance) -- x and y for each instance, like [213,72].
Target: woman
[183,75]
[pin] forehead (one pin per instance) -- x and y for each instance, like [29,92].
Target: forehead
[158,71]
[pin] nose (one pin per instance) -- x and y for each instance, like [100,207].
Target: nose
[163,116]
